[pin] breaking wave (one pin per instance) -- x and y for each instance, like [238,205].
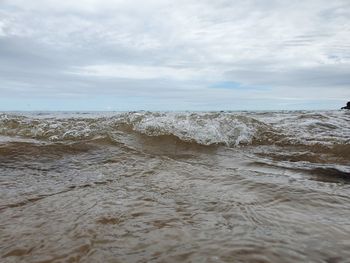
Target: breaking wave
[211,128]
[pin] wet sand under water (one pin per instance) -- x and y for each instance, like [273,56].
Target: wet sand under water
[161,199]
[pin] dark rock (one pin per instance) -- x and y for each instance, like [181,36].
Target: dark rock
[347,107]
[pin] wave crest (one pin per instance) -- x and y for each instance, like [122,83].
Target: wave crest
[230,129]
[205,129]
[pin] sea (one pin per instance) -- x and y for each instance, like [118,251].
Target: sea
[145,186]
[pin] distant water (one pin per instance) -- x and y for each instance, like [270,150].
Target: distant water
[175,187]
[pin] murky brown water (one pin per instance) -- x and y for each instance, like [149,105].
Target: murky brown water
[175,187]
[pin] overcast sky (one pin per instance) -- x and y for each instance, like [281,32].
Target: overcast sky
[174,55]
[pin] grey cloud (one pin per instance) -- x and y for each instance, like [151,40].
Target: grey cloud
[276,44]
[319,76]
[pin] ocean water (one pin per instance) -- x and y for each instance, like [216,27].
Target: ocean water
[175,187]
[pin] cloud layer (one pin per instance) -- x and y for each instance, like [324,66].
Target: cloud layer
[159,54]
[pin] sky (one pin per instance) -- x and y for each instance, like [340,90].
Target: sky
[174,55]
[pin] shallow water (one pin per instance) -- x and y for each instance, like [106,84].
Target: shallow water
[175,187]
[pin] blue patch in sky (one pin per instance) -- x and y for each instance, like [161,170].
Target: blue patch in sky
[236,85]
[226,85]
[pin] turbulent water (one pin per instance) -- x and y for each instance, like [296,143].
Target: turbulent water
[175,187]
